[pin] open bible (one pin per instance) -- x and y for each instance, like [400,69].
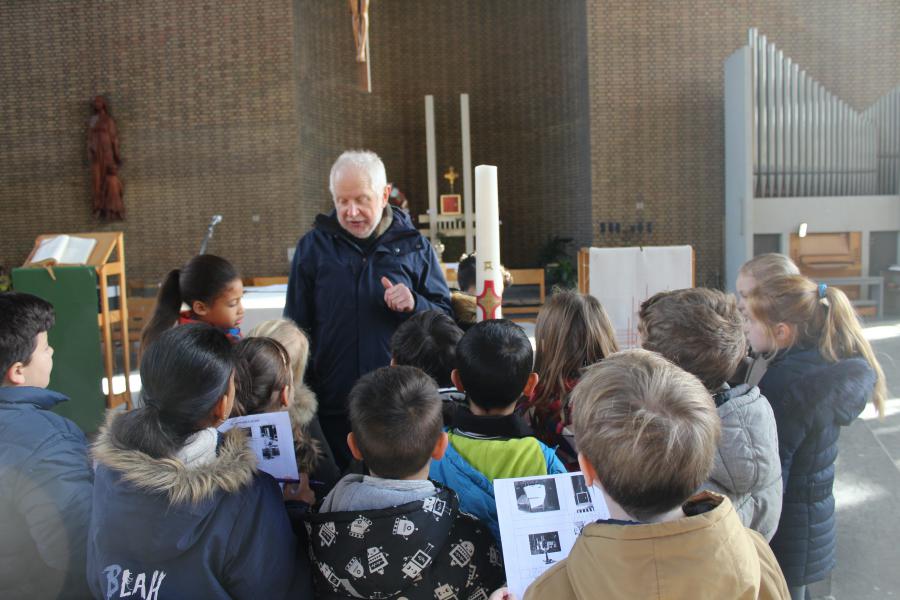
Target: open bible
[63,250]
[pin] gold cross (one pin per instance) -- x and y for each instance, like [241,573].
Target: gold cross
[489,301]
[451,175]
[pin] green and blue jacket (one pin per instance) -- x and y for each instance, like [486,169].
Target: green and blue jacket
[484,448]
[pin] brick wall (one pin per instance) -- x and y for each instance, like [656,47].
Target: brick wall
[656,101]
[238,107]
[525,72]
[525,69]
[204,98]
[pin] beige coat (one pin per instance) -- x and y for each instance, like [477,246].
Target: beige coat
[707,556]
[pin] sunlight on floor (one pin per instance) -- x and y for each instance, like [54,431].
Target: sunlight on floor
[850,493]
[881,332]
[892,407]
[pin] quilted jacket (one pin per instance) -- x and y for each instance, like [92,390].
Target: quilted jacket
[747,468]
[812,400]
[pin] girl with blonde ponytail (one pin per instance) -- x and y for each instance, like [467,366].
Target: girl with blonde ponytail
[822,373]
[759,270]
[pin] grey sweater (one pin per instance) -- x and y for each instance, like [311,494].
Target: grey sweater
[362,492]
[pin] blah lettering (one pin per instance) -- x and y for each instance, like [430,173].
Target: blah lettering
[155,582]
[132,585]
[112,580]
[140,583]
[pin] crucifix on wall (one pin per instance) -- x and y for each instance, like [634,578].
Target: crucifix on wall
[360,11]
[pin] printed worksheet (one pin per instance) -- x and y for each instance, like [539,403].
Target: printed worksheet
[272,439]
[540,519]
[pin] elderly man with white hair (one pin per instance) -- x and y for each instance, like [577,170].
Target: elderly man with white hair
[360,272]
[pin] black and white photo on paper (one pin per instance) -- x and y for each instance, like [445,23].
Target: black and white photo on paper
[580,490]
[582,493]
[537,495]
[269,436]
[544,543]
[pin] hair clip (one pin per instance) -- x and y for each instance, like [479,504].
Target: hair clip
[822,288]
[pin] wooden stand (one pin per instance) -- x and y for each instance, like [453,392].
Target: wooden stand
[106,267]
[584,270]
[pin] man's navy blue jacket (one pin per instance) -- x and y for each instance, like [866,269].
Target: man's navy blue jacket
[812,399]
[335,294]
[46,484]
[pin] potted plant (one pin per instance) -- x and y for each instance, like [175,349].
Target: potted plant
[559,268]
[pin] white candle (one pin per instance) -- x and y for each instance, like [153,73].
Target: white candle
[488,273]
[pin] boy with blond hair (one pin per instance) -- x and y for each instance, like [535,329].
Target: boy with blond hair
[647,432]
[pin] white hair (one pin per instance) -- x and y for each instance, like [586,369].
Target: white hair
[365,162]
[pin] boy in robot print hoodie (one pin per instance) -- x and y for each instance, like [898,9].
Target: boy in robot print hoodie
[397,533]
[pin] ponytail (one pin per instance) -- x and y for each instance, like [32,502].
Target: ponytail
[184,375]
[842,337]
[142,429]
[824,318]
[168,306]
[203,278]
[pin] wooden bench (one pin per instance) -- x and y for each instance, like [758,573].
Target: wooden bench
[527,309]
[264,281]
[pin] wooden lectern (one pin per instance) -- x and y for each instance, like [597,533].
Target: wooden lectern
[108,260]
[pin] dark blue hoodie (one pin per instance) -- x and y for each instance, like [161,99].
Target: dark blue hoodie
[812,399]
[45,497]
[161,530]
[335,294]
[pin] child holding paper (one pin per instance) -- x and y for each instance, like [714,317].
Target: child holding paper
[395,533]
[702,331]
[646,433]
[487,439]
[180,510]
[265,383]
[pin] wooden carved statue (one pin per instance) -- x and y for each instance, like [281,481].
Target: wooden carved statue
[360,11]
[103,151]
